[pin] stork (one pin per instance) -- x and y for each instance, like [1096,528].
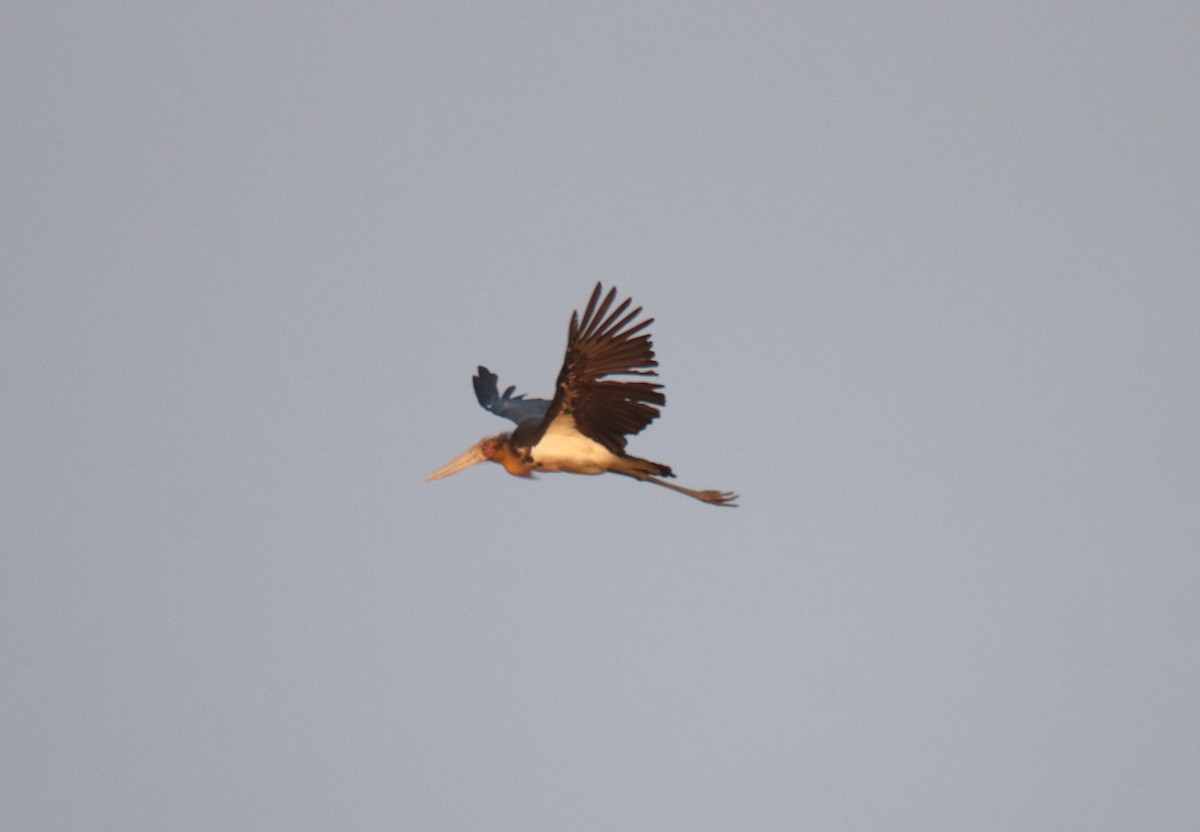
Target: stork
[582,429]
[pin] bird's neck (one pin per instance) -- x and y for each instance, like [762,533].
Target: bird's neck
[512,459]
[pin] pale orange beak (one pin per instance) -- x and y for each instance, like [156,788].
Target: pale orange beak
[462,463]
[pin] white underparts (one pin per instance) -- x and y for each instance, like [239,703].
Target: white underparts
[564,448]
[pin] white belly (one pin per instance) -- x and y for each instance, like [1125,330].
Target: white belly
[563,448]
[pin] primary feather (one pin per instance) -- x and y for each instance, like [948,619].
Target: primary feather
[515,408]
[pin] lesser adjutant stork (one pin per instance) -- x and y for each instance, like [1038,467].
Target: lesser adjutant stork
[583,429]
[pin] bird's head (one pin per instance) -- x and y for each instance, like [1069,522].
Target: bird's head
[485,450]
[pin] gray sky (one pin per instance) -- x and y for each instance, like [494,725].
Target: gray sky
[926,282]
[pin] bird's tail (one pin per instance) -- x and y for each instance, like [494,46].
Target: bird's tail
[637,467]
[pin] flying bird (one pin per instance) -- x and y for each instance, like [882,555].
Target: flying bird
[583,429]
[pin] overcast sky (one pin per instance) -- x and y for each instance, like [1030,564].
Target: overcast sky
[927,289]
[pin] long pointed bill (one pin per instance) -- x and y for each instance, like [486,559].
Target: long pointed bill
[471,457]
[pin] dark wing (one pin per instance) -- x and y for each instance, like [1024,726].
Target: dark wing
[516,408]
[606,343]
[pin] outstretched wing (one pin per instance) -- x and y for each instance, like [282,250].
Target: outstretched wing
[515,408]
[606,343]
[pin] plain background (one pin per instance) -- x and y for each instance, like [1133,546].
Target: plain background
[926,282]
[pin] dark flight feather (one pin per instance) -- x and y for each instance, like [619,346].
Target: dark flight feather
[606,343]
